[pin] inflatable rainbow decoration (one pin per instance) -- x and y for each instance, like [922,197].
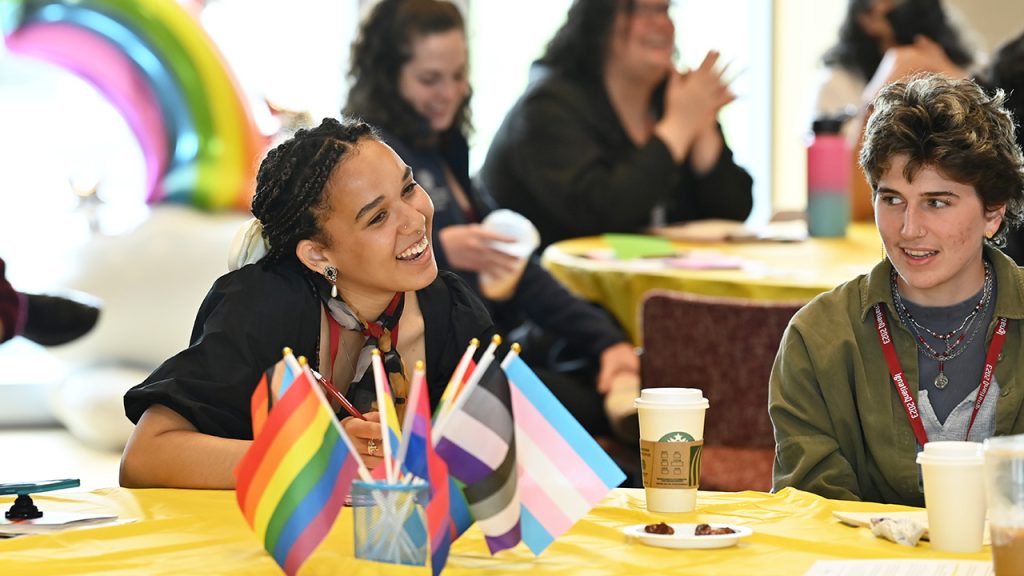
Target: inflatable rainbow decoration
[154,62]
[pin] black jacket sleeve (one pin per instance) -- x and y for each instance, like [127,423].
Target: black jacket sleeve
[247,318]
[545,302]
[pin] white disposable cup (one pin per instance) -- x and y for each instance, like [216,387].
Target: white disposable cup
[954,494]
[1004,485]
[666,414]
[526,239]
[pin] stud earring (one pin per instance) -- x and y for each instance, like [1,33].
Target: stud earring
[331,273]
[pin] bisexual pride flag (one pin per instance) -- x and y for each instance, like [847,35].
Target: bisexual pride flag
[421,460]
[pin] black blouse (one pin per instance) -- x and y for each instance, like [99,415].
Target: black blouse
[250,314]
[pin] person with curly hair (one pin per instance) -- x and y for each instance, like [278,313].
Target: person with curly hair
[927,345]
[410,79]
[610,136]
[343,263]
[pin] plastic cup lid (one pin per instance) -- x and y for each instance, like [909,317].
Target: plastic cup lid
[1005,445]
[671,398]
[951,452]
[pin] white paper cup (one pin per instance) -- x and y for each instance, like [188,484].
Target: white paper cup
[1004,485]
[671,441]
[513,225]
[954,494]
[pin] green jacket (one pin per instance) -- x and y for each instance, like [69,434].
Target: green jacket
[840,428]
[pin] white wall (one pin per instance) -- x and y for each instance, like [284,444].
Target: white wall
[804,29]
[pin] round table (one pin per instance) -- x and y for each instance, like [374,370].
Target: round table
[761,270]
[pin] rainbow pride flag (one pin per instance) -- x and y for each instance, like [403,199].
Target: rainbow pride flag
[563,472]
[292,482]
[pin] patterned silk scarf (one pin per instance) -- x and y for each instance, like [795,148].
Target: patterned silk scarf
[382,333]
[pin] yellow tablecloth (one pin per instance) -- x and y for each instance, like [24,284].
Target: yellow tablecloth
[770,270]
[202,532]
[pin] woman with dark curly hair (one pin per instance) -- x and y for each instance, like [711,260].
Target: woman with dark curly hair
[414,87]
[927,345]
[611,137]
[343,262]
[909,35]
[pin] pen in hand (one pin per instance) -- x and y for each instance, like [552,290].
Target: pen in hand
[333,393]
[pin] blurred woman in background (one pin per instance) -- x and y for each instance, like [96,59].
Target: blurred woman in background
[410,78]
[610,136]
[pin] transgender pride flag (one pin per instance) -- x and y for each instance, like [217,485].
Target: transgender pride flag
[563,472]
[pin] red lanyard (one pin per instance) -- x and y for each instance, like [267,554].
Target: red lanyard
[896,372]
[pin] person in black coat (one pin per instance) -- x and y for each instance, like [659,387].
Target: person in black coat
[348,266]
[610,137]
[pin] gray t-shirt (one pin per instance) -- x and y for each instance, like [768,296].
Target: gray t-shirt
[964,371]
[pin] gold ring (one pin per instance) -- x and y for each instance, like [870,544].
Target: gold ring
[371,447]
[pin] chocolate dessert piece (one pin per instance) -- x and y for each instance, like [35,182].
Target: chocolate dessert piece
[659,528]
[706,530]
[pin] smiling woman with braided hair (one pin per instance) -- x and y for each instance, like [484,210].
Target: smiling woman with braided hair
[343,263]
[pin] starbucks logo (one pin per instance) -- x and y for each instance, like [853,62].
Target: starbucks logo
[676,437]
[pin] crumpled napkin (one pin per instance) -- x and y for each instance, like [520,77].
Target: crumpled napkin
[899,530]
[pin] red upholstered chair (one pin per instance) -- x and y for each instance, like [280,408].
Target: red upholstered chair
[725,347]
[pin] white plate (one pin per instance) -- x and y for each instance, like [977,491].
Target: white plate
[685,538]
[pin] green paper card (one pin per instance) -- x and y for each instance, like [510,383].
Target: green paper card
[630,246]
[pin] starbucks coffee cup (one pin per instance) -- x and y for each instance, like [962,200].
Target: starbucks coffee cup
[671,441]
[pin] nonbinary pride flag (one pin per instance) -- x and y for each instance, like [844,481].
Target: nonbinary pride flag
[563,472]
[292,482]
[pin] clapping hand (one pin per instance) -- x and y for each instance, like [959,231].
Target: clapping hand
[692,102]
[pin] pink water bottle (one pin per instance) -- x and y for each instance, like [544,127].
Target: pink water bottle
[828,180]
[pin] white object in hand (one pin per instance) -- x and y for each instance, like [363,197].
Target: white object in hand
[513,225]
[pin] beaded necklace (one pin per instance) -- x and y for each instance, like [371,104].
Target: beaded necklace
[956,341]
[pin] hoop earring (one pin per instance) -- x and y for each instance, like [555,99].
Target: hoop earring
[331,273]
